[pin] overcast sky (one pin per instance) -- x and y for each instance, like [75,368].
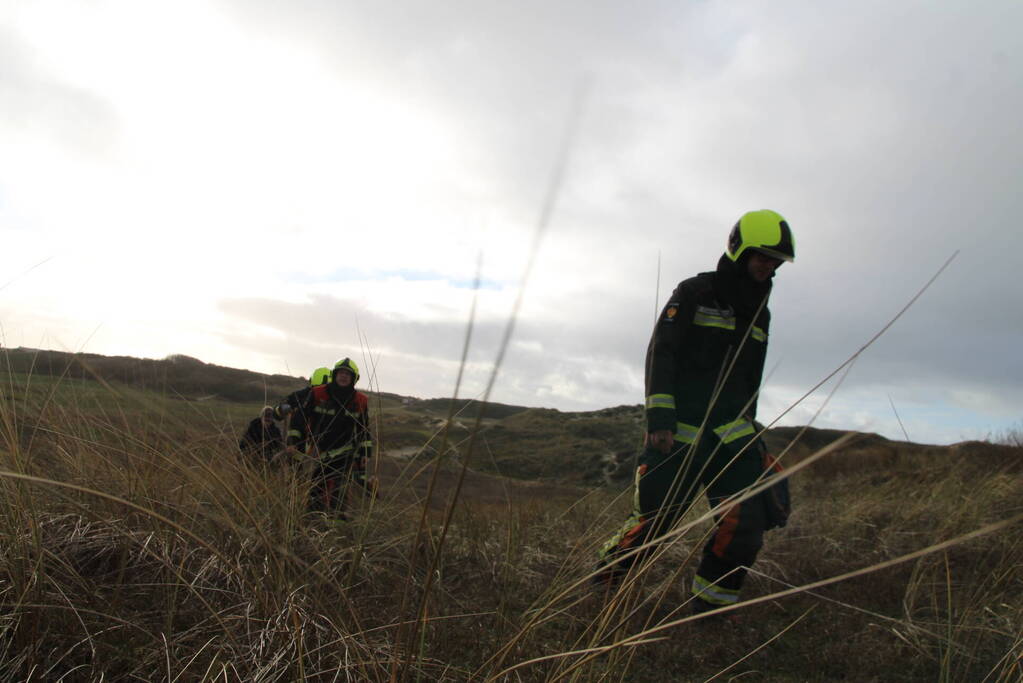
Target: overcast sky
[274,186]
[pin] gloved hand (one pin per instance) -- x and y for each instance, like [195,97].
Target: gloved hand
[283,410]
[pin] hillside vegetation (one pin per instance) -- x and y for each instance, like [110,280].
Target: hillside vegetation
[138,545]
[176,375]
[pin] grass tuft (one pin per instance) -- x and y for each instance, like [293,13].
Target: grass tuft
[136,544]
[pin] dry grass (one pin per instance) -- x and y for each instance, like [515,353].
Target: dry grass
[136,546]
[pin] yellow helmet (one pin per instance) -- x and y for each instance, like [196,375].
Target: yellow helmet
[764,231]
[346,364]
[319,376]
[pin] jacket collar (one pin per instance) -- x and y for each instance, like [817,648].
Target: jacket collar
[733,286]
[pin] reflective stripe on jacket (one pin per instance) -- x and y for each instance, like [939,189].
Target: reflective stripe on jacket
[338,424]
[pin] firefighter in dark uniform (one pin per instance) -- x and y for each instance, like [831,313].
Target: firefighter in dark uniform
[291,413]
[703,370]
[337,417]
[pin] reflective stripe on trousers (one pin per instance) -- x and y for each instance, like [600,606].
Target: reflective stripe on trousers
[714,594]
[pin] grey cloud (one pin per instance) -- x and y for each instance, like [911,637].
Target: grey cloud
[503,73]
[37,103]
[885,132]
[422,358]
[327,318]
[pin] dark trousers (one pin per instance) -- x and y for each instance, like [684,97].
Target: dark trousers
[330,483]
[667,485]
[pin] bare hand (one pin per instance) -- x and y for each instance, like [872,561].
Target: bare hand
[661,440]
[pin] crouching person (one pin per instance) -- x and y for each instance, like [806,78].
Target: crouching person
[262,439]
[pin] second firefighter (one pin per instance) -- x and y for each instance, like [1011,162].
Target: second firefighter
[337,423]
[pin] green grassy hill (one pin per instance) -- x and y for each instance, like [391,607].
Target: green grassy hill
[177,375]
[136,545]
[581,448]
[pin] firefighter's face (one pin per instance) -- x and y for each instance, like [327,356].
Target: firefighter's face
[761,266]
[343,378]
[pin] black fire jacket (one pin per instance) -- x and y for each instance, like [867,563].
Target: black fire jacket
[707,352]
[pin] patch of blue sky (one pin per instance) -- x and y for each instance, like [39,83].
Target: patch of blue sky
[934,421]
[349,274]
[949,423]
[5,208]
[13,220]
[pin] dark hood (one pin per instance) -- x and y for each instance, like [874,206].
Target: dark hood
[734,286]
[341,394]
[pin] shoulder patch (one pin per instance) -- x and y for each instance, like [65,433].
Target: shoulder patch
[670,312]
